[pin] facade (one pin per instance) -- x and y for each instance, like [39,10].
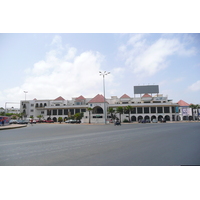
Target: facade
[145,106]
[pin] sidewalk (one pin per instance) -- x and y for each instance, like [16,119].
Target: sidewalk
[11,126]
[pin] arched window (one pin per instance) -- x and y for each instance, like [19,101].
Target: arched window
[133,119]
[55,119]
[97,110]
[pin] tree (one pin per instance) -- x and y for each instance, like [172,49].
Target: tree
[78,116]
[129,109]
[195,107]
[39,117]
[111,111]
[60,119]
[89,109]
[120,110]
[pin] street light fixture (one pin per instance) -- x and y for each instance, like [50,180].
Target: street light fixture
[25,103]
[104,74]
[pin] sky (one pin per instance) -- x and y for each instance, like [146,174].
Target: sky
[49,65]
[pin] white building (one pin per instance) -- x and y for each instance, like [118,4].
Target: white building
[146,106]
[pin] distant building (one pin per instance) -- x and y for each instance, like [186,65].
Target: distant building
[149,105]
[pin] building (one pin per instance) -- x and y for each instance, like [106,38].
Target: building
[148,105]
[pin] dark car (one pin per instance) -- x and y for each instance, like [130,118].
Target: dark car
[22,122]
[143,121]
[148,121]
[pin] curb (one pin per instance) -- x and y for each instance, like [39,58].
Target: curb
[12,127]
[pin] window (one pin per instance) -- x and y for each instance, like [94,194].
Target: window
[146,109]
[71,111]
[83,110]
[166,109]
[65,111]
[160,109]
[153,109]
[42,112]
[133,111]
[77,110]
[32,110]
[32,105]
[54,112]
[60,112]
[139,110]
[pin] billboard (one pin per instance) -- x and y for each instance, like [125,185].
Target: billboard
[146,89]
[186,111]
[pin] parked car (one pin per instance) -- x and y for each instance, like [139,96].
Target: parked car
[143,121]
[154,121]
[72,121]
[163,120]
[148,121]
[22,122]
[49,121]
[41,121]
[13,121]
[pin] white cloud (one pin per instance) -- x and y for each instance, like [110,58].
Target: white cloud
[146,59]
[61,74]
[195,86]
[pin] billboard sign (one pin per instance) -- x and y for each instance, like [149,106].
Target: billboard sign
[146,89]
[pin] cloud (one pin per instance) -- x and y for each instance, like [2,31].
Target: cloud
[195,86]
[147,59]
[62,72]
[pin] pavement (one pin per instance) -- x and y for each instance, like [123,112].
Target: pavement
[11,126]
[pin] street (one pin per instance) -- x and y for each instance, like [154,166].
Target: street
[161,144]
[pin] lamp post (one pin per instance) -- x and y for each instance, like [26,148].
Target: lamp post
[25,104]
[104,74]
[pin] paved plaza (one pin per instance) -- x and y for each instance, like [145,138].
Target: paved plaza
[161,144]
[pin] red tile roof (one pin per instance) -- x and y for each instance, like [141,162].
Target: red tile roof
[80,98]
[182,103]
[59,99]
[125,96]
[97,99]
[146,95]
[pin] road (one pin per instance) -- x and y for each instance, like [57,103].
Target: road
[162,144]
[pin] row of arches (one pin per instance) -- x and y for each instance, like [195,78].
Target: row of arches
[134,118]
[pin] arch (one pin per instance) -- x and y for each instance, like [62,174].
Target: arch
[190,118]
[153,117]
[55,119]
[185,117]
[146,117]
[140,118]
[178,118]
[160,117]
[41,105]
[167,117]
[133,118]
[97,110]
[65,119]
[49,118]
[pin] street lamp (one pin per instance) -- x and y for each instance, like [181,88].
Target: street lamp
[25,103]
[104,74]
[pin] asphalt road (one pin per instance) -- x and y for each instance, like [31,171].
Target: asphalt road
[167,144]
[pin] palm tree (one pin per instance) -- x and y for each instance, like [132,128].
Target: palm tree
[193,107]
[111,111]
[129,109]
[89,109]
[120,110]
